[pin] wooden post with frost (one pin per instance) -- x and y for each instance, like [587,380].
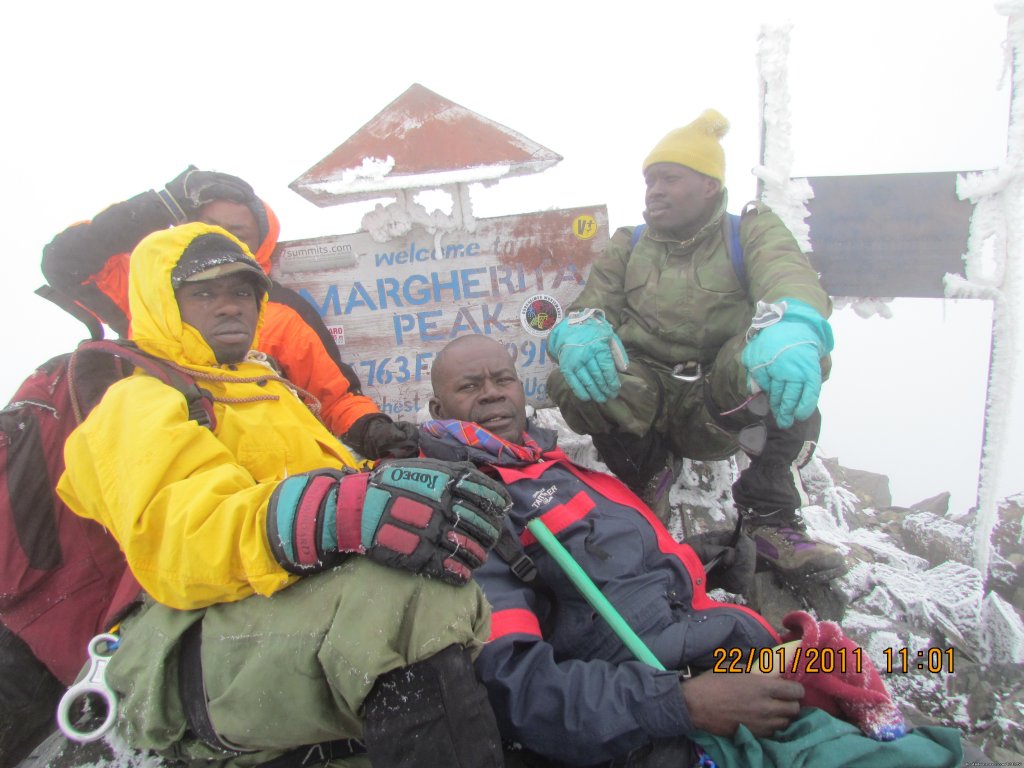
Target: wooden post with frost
[993,271]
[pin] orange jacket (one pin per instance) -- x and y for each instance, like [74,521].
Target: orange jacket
[89,263]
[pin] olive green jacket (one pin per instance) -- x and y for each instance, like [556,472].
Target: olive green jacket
[679,301]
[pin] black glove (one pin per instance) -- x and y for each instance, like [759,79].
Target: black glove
[435,518]
[376,436]
[191,189]
[729,559]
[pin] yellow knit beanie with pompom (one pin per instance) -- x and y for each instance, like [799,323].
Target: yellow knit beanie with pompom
[695,146]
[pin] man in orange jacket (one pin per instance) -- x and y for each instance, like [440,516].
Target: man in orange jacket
[88,263]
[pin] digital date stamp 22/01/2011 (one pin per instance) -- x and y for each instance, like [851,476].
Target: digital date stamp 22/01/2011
[789,657]
[792,657]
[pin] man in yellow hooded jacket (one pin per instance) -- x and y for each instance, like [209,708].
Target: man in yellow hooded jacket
[289,600]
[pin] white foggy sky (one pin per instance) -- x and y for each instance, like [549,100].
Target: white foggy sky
[105,99]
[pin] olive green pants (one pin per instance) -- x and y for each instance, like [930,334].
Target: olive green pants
[652,400]
[656,415]
[291,669]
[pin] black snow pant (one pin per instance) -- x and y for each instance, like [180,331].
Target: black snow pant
[29,694]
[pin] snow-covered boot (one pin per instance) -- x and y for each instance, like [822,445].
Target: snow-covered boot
[769,495]
[784,545]
[433,712]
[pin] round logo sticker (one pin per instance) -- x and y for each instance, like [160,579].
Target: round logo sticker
[539,314]
[584,227]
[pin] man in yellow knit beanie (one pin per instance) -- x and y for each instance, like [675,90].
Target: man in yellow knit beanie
[699,334]
[695,146]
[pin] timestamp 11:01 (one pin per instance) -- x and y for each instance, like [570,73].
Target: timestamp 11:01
[904,660]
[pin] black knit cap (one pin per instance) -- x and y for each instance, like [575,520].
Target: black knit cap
[202,187]
[213,255]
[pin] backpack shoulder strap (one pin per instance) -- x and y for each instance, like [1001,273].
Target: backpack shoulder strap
[117,351]
[511,551]
[735,247]
[638,232]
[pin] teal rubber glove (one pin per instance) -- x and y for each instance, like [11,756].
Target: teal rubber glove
[783,354]
[589,354]
[435,518]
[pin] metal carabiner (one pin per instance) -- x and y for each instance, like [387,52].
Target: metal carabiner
[688,371]
[765,314]
[93,685]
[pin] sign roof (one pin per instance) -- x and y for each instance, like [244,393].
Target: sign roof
[420,141]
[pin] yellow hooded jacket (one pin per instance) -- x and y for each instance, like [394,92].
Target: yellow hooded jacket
[188,505]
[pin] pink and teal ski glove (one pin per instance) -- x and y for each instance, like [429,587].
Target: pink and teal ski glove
[435,518]
[785,344]
[589,354]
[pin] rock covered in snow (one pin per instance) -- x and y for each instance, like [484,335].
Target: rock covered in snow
[936,538]
[1002,631]
[944,602]
[870,488]
[911,585]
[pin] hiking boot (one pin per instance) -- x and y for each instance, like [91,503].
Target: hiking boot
[784,546]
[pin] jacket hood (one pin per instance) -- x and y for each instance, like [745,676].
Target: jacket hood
[156,321]
[272,232]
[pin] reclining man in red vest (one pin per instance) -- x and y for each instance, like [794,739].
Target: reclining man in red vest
[564,687]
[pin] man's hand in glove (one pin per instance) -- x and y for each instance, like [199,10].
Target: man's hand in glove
[589,355]
[434,518]
[729,563]
[783,357]
[376,436]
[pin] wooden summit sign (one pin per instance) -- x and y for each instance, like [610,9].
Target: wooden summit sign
[394,296]
[392,306]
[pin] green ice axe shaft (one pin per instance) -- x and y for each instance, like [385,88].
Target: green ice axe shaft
[591,593]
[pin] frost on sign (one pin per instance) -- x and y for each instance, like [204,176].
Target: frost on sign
[424,141]
[392,306]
